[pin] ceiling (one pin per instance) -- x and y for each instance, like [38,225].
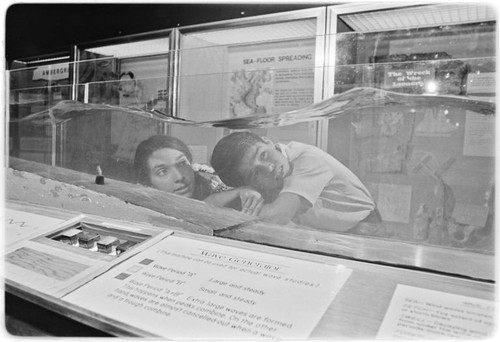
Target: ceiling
[34,30]
[42,29]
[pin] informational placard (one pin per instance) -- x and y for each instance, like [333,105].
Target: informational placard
[481,83]
[183,288]
[470,214]
[271,78]
[479,139]
[39,263]
[416,313]
[435,124]
[50,270]
[394,202]
[20,226]
[53,72]
[415,77]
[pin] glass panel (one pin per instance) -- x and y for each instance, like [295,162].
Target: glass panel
[33,90]
[139,83]
[101,127]
[429,166]
[128,74]
[413,134]
[235,72]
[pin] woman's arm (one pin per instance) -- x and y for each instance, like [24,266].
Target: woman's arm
[282,210]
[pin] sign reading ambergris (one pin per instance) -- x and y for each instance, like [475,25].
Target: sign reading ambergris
[52,72]
[182,289]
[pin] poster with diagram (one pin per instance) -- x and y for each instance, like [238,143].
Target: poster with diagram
[273,78]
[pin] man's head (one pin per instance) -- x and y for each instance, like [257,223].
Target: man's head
[127,85]
[246,159]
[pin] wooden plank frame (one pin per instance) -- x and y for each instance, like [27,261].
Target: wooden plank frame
[231,224]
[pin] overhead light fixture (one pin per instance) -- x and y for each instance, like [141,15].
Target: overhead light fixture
[142,48]
[419,16]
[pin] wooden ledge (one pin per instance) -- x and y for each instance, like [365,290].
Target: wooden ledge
[197,213]
[199,217]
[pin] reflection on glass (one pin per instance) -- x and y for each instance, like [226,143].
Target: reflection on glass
[252,70]
[33,90]
[429,167]
[126,82]
[412,121]
[404,60]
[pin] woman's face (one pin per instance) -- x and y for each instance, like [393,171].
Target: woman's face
[170,171]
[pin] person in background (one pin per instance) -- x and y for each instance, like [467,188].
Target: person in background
[301,183]
[130,90]
[165,163]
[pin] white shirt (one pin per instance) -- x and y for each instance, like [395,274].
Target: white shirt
[336,198]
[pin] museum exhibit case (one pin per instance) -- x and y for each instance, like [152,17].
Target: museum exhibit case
[403,96]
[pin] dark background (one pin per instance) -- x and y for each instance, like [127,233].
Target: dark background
[34,30]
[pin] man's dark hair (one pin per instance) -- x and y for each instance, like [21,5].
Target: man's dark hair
[228,153]
[128,73]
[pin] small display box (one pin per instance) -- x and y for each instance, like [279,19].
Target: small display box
[70,236]
[88,239]
[107,244]
[99,238]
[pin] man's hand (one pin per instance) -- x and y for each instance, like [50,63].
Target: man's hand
[251,201]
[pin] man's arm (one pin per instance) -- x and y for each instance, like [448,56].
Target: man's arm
[251,200]
[282,210]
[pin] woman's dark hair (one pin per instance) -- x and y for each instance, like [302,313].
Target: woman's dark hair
[147,147]
[156,142]
[229,152]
